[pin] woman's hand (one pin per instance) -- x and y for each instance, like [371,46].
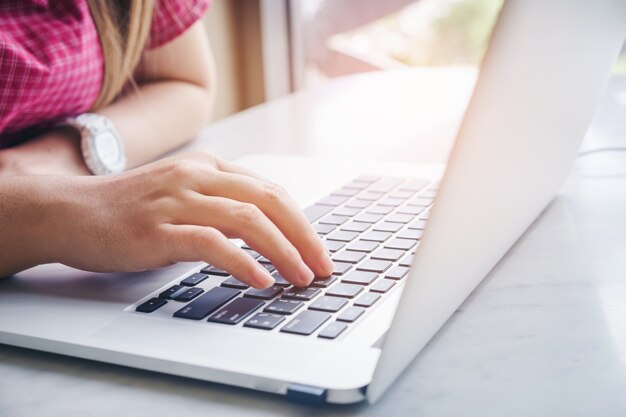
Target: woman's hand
[184,209]
[56,152]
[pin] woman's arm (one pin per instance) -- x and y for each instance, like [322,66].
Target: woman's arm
[174,99]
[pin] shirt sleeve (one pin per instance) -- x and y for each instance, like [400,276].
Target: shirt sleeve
[172,18]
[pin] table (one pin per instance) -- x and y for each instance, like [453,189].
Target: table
[543,335]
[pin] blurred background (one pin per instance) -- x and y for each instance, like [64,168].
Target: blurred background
[268,48]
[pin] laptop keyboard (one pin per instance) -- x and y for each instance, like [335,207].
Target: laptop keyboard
[371,227]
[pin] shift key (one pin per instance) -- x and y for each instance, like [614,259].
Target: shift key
[236,311]
[306,322]
[206,303]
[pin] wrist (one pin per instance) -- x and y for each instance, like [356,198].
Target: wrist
[56,152]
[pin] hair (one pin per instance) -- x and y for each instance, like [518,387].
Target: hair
[123,28]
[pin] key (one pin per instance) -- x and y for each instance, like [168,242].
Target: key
[316,211]
[367,300]
[368,218]
[234,283]
[391,202]
[333,330]
[355,227]
[346,192]
[333,245]
[359,185]
[342,236]
[379,210]
[397,273]
[407,260]
[363,246]
[323,282]
[382,286]
[424,216]
[340,268]
[188,294]
[236,311]
[418,224]
[280,280]
[301,294]
[357,203]
[334,220]
[376,236]
[281,306]
[344,290]
[270,268]
[410,234]
[329,304]
[413,185]
[264,293]
[374,265]
[151,305]
[388,227]
[360,277]
[399,218]
[264,321]
[420,202]
[324,229]
[348,256]
[206,303]
[332,200]
[371,196]
[305,323]
[351,314]
[194,279]
[403,194]
[388,254]
[171,291]
[213,270]
[414,210]
[402,244]
[429,194]
[385,185]
[346,211]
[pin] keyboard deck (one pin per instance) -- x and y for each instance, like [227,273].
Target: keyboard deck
[371,227]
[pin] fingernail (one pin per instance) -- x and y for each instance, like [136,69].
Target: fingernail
[263,278]
[305,275]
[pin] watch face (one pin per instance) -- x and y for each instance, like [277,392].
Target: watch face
[107,149]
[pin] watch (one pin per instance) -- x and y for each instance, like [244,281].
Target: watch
[101,145]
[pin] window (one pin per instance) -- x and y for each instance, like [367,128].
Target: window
[332,38]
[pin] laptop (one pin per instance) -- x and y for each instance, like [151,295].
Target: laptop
[409,242]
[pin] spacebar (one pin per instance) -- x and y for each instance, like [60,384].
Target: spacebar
[315,211]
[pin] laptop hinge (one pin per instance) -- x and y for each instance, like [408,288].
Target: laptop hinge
[306,394]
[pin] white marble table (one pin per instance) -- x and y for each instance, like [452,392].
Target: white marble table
[544,335]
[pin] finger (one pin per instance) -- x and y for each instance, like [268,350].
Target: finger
[197,243]
[246,221]
[280,208]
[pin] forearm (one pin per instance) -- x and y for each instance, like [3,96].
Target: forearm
[29,220]
[159,117]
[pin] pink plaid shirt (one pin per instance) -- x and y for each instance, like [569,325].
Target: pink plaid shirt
[51,60]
